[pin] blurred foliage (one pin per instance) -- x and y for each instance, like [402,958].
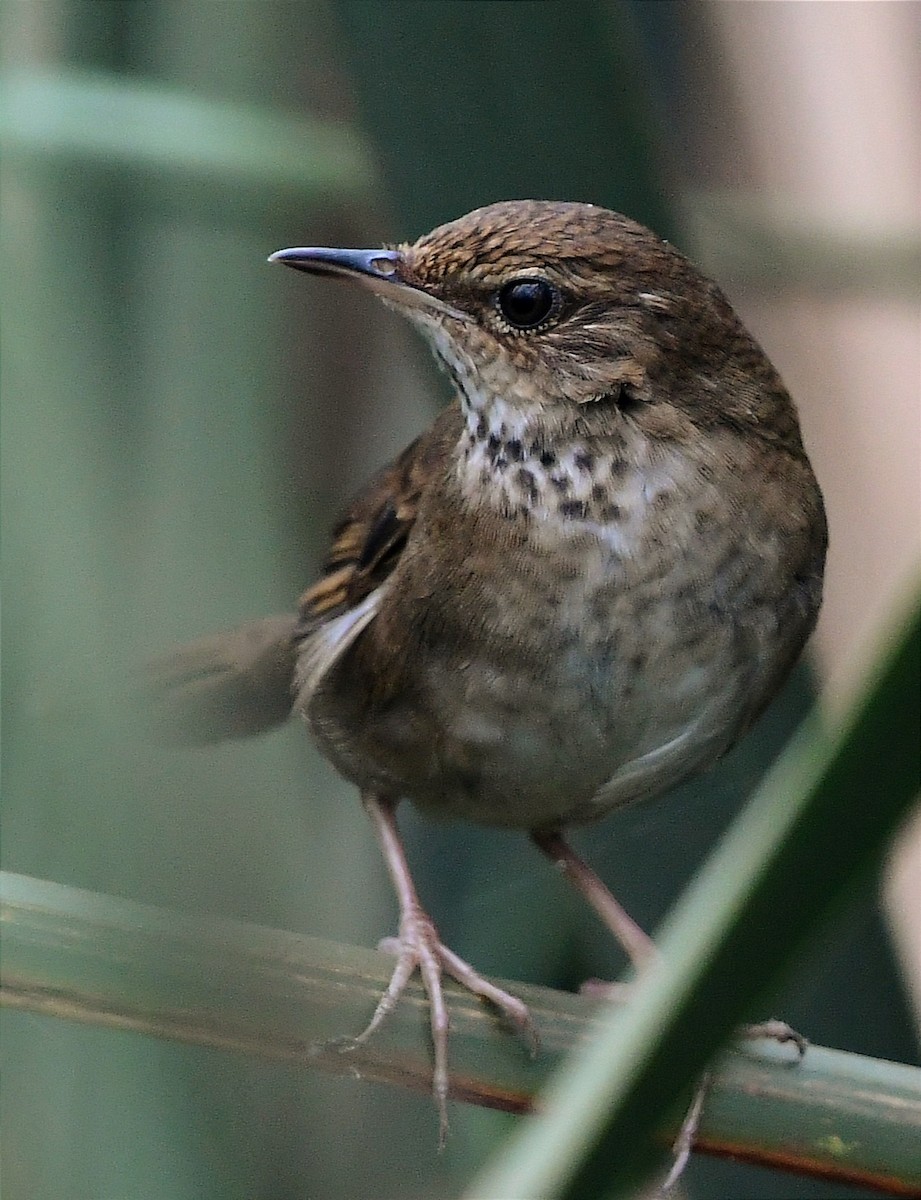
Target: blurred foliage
[180,425]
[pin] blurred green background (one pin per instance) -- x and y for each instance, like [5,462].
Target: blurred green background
[181,424]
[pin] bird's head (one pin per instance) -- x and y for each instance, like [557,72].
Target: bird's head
[551,305]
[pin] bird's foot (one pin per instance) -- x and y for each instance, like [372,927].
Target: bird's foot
[684,1142]
[418,946]
[772,1030]
[775,1031]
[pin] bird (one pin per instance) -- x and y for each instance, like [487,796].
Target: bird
[580,586]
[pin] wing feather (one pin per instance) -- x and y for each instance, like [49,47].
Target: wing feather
[368,541]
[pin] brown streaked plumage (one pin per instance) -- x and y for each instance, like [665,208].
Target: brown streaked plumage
[369,539]
[579,587]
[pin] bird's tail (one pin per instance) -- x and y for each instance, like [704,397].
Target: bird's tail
[229,685]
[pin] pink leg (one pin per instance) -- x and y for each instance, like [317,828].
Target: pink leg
[773,1030]
[642,952]
[638,945]
[418,945]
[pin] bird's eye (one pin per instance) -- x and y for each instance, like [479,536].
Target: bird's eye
[527,303]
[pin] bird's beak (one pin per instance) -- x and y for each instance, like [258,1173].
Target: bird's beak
[378,270]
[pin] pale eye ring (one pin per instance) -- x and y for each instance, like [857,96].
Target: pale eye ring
[527,302]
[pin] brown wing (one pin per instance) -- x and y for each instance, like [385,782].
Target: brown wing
[368,541]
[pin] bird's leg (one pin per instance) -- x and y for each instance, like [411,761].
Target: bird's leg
[774,1030]
[418,945]
[687,1135]
[642,953]
[638,945]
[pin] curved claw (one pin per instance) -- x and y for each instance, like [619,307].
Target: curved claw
[418,946]
[776,1031]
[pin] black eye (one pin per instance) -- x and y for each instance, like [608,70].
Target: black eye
[526,303]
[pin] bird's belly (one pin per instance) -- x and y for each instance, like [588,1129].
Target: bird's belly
[620,697]
[585,673]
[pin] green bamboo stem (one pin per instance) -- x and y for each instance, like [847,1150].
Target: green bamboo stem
[93,958]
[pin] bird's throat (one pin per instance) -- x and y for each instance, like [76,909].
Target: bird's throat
[563,484]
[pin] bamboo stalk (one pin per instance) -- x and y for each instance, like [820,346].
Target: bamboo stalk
[93,958]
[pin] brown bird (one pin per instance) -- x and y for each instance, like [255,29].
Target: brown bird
[579,587]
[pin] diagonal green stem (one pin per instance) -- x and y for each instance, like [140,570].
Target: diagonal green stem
[822,818]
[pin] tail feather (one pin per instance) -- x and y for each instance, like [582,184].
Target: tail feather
[227,685]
